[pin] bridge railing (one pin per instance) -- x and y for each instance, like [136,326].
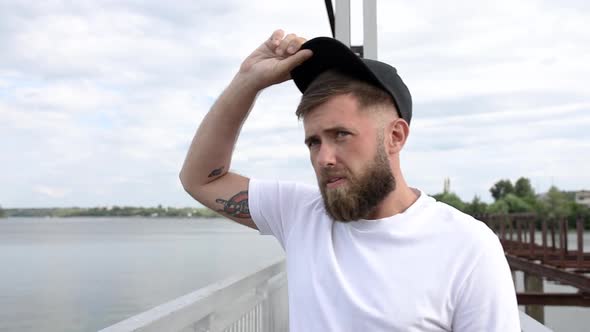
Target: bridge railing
[255,302]
[245,303]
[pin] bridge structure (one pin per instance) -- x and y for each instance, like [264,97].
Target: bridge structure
[540,247]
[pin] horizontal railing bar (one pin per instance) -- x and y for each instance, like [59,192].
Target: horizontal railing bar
[554,299]
[188,309]
[576,280]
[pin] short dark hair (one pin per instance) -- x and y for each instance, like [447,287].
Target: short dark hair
[333,83]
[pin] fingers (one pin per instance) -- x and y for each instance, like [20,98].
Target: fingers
[277,34]
[278,55]
[284,46]
[290,50]
[289,45]
[275,38]
[295,45]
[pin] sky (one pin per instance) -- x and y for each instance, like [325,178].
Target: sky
[99,100]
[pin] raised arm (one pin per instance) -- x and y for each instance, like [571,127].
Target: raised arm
[204,174]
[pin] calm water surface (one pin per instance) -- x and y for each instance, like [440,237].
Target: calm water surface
[83,274]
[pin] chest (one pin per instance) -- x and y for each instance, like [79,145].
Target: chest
[368,282]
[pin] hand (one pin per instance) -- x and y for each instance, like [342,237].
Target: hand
[272,62]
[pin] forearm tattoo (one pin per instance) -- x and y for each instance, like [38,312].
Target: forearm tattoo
[237,206]
[216,172]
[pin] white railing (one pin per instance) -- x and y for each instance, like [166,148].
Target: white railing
[528,324]
[255,302]
[252,302]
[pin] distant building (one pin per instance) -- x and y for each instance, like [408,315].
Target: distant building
[583,197]
[447,186]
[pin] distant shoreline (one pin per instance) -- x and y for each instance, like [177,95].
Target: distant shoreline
[114,211]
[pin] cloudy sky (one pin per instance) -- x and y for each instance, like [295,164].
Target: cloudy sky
[99,100]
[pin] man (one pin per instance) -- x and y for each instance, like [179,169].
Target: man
[366,252]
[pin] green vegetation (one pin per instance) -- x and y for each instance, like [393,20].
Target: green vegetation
[115,211]
[452,199]
[521,198]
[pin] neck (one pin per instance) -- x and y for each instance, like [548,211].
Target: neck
[397,201]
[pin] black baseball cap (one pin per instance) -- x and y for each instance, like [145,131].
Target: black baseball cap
[329,53]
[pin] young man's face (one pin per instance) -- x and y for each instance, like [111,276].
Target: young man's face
[349,158]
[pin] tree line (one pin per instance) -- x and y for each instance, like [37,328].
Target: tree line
[115,211]
[520,197]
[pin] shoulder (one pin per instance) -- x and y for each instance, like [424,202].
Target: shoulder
[473,248]
[293,196]
[284,188]
[472,234]
[297,208]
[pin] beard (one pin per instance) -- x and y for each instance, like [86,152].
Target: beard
[359,197]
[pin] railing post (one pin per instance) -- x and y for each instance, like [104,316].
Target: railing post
[510,228]
[503,231]
[562,241]
[532,237]
[545,241]
[262,291]
[534,284]
[519,234]
[565,236]
[580,229]
[552,228]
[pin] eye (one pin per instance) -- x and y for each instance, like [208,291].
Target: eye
[342,133]
[312,142]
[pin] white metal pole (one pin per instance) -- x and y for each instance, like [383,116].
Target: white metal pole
[370,29]
[342,14]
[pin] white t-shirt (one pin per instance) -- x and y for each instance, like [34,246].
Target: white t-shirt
[430,268]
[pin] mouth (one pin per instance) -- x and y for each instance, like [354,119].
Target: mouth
[333,182]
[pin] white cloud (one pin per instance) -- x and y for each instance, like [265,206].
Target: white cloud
[51,191]
[457,49]
[71,96]
[100,100]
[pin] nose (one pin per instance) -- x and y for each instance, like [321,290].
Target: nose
[326,156]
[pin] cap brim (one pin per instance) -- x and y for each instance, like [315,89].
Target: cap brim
[329,53]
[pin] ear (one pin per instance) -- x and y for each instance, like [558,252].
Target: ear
[397,133]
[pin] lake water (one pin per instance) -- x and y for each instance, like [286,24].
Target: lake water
[84,274]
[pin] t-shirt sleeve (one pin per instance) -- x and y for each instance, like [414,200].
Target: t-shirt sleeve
[487,299]
[274,205]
